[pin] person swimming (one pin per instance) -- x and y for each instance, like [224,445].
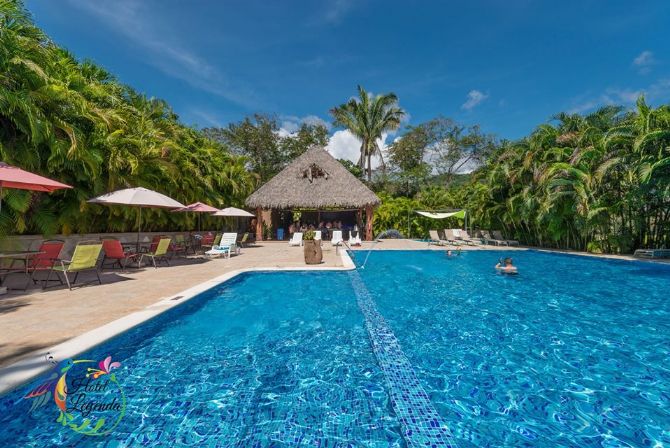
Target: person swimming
[506,266]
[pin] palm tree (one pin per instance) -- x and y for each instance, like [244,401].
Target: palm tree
[368,117]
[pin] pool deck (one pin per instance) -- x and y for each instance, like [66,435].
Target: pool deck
[35,322]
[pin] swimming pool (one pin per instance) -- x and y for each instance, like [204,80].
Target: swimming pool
[572,352]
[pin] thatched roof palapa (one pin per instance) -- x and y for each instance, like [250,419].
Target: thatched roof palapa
[314,180]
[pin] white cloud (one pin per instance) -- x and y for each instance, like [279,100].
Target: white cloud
[644,61]
[130,20]
[475,97]
[290,123]
[345,145]
[337,9]
[658,91]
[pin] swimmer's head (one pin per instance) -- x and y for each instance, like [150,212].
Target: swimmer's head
[508,261]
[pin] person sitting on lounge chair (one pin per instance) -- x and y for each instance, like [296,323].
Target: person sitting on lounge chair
[506,266]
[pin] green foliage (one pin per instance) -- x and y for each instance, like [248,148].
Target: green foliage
[266,150]
[75,122]
[599,182]
[352,167]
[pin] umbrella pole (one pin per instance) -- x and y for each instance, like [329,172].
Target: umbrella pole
[139,227]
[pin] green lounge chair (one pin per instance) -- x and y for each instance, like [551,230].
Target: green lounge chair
[160,254]
[84,258]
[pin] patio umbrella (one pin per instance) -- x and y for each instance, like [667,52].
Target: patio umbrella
[197,207]
[234,212]
[137,197]
[13,177]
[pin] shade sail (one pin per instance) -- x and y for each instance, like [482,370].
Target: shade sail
[457,214]
[13,177]
[138,197]
[232,211]
[197,207]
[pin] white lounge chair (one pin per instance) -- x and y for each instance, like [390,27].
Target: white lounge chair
[435,238]
[219,251]
[337,238]
[451,238]
[296,239]
[230,239]
[317,235]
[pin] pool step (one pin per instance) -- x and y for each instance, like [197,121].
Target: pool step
[421,423]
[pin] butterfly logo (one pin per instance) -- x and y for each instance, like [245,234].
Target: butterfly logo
[105,367]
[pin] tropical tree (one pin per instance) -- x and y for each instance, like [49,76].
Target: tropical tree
[368,117]
[73,121]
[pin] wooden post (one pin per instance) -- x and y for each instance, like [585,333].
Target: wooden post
[368,222]
[359,221]
[259,224]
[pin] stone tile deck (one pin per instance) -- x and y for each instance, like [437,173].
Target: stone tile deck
[32,322]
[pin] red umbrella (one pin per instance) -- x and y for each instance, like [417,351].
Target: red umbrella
[197,207]
[13,177]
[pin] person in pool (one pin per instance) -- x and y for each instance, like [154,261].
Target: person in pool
[451,253]
[506,266]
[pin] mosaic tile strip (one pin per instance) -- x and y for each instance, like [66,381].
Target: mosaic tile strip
[422,425]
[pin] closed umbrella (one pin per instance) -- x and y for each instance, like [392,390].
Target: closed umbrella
[13,177]
[234,212]
[197,207]
[137,197]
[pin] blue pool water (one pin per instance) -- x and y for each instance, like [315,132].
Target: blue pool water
[572,352]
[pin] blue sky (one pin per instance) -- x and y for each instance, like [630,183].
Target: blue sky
[507,65]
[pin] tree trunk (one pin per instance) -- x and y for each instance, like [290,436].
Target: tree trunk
[369,167]
[368,223]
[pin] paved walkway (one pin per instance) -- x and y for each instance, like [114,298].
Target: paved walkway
[31,323]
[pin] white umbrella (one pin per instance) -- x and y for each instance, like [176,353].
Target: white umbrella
[137,197]
[235,212]
[232,211]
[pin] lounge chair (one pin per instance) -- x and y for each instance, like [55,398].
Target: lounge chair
[465,236]
[488,239]
[337,238]
[652,253]
[435,238]
[180,246]
[160,254]
[218,251]
[84,258]
[113,250]
[48,254]
[230,240]
[451,238]
[355,240]
[317,235]
[296,239]
[498,236]
[210,241]
[244,241]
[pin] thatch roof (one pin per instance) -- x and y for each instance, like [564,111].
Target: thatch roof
[314,180]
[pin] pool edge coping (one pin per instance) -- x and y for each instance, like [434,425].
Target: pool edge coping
[14,375]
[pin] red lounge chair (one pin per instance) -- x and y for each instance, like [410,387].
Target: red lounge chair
[43,261]
[114,251]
